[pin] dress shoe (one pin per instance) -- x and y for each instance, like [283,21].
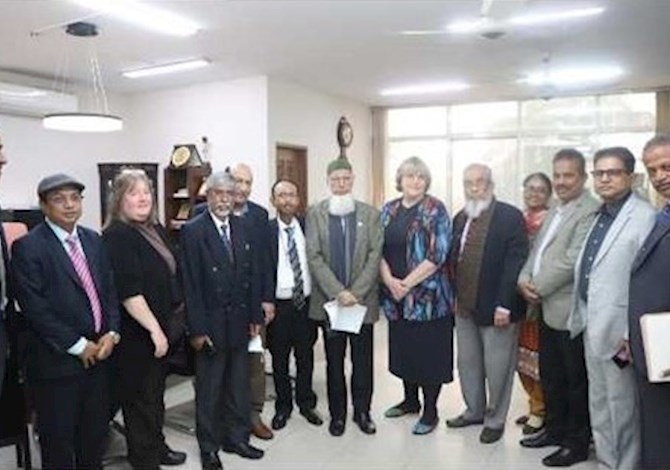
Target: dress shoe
[421,428]
[312,416]
[462,422]
[243,449]
[365,423]
[210,461]
[543,439]
[261,431]
[279,421]
[490,435]
[401,409]
[534,425]
[336,427]
[521,420]
[172,457]
[565,457]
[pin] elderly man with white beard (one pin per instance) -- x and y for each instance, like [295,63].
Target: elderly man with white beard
[344,245]
[490,247]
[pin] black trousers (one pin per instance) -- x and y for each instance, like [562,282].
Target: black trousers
[222,398]
[565,387]
[361,377]
[72,415]
[292,330]
[654,417]
[143,415]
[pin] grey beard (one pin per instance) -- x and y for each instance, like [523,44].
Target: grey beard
[474,207]
[341,205]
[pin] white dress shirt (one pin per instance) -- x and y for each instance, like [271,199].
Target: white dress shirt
[285,281]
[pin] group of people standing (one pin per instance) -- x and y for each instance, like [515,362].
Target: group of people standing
[554,293]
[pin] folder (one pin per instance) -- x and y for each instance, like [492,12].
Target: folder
[655,338]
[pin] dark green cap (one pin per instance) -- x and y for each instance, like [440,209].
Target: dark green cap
[340,163]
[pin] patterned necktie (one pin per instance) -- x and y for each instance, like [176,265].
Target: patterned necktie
[81,267]
[226,242]
[298,287]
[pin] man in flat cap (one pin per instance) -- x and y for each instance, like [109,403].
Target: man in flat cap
[65,288]
[344,244]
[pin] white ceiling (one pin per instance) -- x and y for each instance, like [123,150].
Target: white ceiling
[349,47]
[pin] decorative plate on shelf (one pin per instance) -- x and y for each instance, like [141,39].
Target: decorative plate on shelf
[180,156]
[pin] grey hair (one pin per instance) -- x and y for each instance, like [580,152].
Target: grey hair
[660,140]
[412,166]
[218,179]
[488,174]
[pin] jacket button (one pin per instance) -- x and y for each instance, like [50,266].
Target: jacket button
[215,269]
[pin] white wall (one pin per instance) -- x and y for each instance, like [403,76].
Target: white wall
[305,117]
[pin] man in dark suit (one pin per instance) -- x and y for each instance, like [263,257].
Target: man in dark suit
[489,249]
[223,304]
[65,288]
[292,329]
[649,293]
[257,222]
[4,340]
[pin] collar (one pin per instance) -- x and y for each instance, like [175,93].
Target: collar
[61,233]
[613,208]
[283,226]
[217,221]
[243,210]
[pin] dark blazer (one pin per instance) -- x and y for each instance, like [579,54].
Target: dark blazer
[140,270]
[274,248]
[54,302]
[648,291]
[222,299]
[505,252]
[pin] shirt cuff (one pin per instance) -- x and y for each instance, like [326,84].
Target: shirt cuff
[77,348]
[504,310]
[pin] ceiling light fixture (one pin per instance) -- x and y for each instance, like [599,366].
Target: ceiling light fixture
[574,76]
[544,18]
[425,89]
[141,14]
[166,68]
[469,26]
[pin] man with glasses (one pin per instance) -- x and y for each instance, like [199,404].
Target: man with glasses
[600,308]
[65,288]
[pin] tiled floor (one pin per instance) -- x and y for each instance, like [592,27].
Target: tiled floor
[301,446]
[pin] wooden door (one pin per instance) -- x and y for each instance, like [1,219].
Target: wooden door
[292,165]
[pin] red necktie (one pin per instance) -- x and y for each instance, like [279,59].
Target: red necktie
[81,267]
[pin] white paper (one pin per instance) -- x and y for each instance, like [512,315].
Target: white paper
[348,319]
[256,344]
[655,333]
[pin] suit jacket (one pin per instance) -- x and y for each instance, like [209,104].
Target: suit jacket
[605,316]
[54,302]
[648,291]
[222,299]
[555,279]
[259,229]
[505,250]
[274,248]
[364,267]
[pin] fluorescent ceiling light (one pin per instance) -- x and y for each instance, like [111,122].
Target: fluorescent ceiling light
[143,15]
[555,16]
[82,122]
[424,89]
[574,76]
[469,26]
[166,68]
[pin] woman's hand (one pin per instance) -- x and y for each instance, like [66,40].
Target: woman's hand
[160,343]
[398,289]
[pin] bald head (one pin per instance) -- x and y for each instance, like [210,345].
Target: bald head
[244,180]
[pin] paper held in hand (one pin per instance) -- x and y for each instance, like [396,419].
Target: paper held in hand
[349,319]
[256,344]
[655,337]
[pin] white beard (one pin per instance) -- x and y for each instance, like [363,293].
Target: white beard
[341,205]
[474,207]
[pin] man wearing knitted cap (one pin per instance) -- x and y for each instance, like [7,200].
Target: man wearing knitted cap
[344,243]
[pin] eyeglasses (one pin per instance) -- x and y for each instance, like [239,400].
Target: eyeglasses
[612,173]
[62,199]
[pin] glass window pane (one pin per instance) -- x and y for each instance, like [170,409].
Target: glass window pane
[417,122]
[629,111]
[499,154]
[537,153]
[484,118]
[559,114]
[432,152]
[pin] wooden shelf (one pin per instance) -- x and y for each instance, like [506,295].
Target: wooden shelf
[179,203]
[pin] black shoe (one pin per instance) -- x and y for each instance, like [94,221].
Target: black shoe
[210,461]
[336,427]
[461,422]
[243,449]
[542,439]
[365,423]
[172,457]
[565,457]
[312,416]
[279,421]
[521,420]
[490,435]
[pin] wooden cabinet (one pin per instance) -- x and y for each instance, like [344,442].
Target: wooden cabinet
[182,192]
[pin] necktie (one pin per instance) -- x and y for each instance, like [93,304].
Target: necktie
[663,217]
[298,291]
[81,267]
[226,242]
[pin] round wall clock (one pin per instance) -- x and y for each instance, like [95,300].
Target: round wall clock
[180,156]
[345,135]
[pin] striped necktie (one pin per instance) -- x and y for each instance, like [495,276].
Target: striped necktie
[81,267]
[227,243]
[298,287]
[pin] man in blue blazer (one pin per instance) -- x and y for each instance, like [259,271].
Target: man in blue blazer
[65,288]
[223,304]
[649,293]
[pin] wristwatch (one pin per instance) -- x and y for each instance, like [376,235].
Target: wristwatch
[115,336]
